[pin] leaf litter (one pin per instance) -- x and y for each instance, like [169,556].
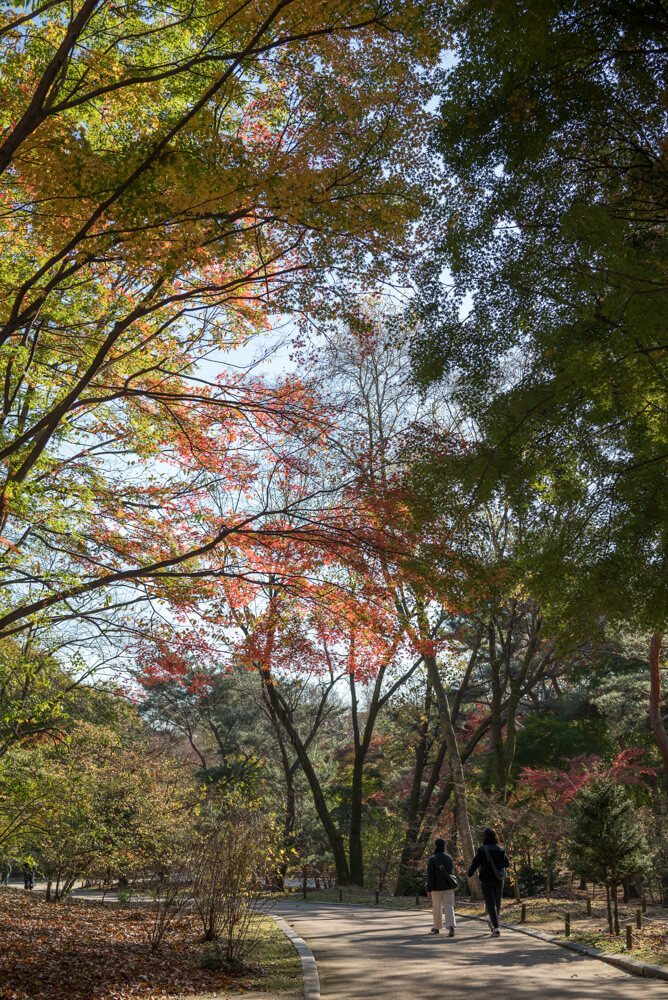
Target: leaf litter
[80,950]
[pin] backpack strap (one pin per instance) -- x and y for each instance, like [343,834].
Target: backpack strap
[491,862]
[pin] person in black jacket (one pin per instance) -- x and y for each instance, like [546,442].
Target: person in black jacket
[442,896]
[492,861]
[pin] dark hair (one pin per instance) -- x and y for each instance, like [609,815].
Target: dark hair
[489,835]
[439,845]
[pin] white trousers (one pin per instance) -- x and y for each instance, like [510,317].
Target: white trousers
[443,900]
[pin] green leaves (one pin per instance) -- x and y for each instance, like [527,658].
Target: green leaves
[173,175]
[553,134]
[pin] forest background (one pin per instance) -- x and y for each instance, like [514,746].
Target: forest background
[411,582]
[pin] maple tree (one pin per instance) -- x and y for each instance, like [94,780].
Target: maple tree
[330,638]
[170,175]
[365,368]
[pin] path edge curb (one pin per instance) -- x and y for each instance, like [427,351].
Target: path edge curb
[627,964]
[306,957]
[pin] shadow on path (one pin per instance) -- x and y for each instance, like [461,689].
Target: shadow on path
[390,955]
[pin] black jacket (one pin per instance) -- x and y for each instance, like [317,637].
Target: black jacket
[437,867]
[499,857]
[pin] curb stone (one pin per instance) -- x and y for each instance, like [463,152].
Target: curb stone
[627,964]
[309,967]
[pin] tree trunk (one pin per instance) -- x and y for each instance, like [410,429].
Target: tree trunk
[608,906]
[333,835]
[500,777]
[290,809]
[516,689]
[355,853]
[616,910]
[458,780]
[406,875]
[655,697]
[427,831]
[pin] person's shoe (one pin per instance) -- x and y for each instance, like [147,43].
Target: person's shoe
[496,932]
[434,930]
[451,932]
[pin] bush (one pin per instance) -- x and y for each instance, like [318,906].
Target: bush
[213,958]
[234,864]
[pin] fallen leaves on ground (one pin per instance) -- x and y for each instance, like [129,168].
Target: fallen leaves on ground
[80,950]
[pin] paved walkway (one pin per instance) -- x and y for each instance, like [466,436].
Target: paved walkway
[383,954]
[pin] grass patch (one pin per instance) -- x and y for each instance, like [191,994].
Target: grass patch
[650,944]
[275,965]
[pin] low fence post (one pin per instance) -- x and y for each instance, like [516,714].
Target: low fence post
[523,913]
[588,906]
[629,937]
[340,895]
[567,924]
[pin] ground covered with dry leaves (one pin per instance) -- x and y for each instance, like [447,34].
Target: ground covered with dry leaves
[650,942]
[81,950]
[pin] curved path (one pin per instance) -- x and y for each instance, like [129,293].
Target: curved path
[383,954]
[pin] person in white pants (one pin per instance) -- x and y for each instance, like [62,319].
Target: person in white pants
[439,867]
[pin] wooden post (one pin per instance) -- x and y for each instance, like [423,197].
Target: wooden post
[629,937]
[417,902]
[567,924]
[377,898]
[340,895]
[304,882]
[639,919]
[644,904]
[523,913]
[588,906]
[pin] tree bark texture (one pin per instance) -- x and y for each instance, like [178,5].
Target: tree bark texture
[656,717]
[458,779]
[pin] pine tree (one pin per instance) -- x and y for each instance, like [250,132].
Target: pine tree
[607,842]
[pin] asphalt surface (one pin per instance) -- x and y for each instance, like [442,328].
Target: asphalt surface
[383,954]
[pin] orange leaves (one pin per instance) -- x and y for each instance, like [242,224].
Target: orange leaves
[74,950]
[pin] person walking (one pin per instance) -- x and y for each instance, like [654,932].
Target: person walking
[6,871]
[493,863]
[441,885]
[28,875]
